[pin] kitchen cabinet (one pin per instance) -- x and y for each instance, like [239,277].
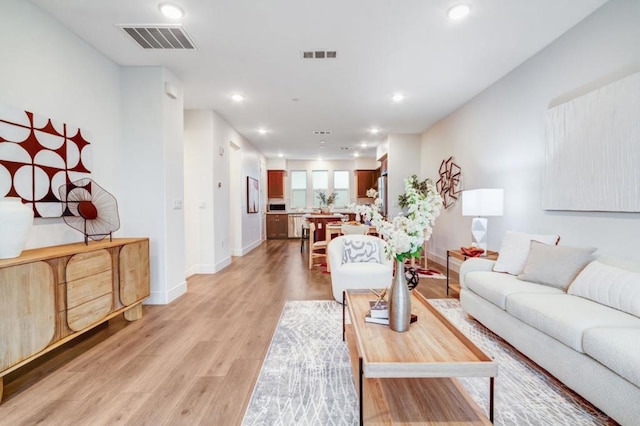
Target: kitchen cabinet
[277,226]
[365,179]
[275,183]
[50,295]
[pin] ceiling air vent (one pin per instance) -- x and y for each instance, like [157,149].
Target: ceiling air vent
[164,37]
[319,54]
[322,132]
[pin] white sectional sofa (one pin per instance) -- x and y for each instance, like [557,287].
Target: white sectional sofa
[587,335]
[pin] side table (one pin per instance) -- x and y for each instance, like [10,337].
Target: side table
[457,254]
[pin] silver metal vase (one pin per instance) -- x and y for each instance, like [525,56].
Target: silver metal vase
[399,301]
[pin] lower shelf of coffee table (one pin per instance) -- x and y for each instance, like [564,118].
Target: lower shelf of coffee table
[424,401]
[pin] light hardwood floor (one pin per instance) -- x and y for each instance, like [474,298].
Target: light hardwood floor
[194,361]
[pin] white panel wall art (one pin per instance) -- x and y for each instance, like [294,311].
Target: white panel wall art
[592,152]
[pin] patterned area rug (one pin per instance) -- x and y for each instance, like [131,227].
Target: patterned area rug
[306,378]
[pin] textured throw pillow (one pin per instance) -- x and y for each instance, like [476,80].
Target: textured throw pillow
[610,286]
[555,266]
[515,250]
[354,251]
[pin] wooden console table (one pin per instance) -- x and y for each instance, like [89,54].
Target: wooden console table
[409,378]
[51,295]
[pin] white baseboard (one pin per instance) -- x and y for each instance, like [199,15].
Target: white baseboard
[223,264]
[201,269]
[454,264]
[247,249]
[166,297]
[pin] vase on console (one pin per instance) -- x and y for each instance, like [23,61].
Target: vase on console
[16,220]
[399,301]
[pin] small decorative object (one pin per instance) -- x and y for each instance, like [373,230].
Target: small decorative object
[412,277]
[253,195]
[15,223]
[448,186]
[90,209]
[405,236]
[326,200]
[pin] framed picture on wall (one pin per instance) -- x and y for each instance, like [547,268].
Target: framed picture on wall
[253,195]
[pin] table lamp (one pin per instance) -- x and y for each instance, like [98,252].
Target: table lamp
[480,203]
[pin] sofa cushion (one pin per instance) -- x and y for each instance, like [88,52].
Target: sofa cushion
[555,266]
[608,285]
[356,251]
[565,317]
[615,348]
[515,250]
[495,287]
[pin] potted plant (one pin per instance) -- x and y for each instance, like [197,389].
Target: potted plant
[326,200]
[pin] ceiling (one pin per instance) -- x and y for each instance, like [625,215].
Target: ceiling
[253,47]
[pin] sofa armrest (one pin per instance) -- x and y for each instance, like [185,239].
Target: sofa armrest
[474,264]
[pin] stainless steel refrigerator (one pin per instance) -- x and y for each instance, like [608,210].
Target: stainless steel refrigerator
[382,194]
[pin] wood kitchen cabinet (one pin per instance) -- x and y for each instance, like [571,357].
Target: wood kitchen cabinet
[275,183]
[365,179]
[50,295]
[277,226]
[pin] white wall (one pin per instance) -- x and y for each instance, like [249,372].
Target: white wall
[498,138]
[198,192]
[152,171]
[208,139]
[402,162]
[47,70]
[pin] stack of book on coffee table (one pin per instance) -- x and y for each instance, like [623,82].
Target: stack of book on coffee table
[379,313]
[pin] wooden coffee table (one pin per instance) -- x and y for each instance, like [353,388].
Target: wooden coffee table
[410,377]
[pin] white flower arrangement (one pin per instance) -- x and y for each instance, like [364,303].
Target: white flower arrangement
[406,233]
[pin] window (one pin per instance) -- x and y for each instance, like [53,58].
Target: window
[298,189]
[320,183]
[341,187]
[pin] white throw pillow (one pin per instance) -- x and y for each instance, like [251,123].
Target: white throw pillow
[515,250]
[555,266]
[610,286]
[354,251]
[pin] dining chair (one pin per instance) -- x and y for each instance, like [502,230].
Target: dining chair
[350,229]
[317,249]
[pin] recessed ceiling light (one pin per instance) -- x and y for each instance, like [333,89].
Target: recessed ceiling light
[237,97]
[374,131]
[262,131]
[322,141]
[397,97]
[363,144]
[280,155]
[171,10]
[355,154]
[459,11]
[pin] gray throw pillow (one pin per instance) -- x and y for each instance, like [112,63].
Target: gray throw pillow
[354,251]
[555,266]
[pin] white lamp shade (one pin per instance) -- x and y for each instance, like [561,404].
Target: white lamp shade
[483,202]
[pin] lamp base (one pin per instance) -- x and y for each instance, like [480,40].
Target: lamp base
[479,233]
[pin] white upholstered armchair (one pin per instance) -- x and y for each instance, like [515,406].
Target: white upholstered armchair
[358,262]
